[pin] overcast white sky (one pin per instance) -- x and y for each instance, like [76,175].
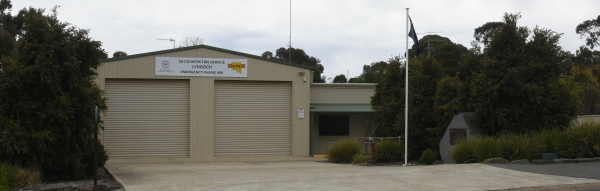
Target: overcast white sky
[344,35]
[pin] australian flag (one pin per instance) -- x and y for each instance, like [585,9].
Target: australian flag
[412,34]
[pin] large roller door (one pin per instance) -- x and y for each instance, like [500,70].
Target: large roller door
[147,118]
[253,118]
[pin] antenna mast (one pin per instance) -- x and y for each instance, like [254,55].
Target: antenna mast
[429,41]
[169,39]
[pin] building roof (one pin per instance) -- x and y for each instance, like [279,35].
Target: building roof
[340,108]
[206,47]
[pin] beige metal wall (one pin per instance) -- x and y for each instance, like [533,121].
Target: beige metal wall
[588,118]
[358,125]
[342,93]
[202,96]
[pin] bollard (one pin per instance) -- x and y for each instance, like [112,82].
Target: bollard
[372,152]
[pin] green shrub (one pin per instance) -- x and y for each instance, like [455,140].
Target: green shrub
[46,119]
[462,152]
[12,176]
[388,150]
[8,176]
[584,140]
[553,141]
[343,151]
[520,146]
[89,158]
[485,148]
[428,157]
[476,150]
[360,158]
[581,140]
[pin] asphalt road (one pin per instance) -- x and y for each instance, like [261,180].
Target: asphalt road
[589,170]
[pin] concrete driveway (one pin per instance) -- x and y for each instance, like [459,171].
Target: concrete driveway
[314,174]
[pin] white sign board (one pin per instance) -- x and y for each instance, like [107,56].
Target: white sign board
[300,113]
[214,67]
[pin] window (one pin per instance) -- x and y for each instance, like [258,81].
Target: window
[334,125]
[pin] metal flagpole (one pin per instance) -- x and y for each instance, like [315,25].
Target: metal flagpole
[290,43]
[406,98]
[95,150]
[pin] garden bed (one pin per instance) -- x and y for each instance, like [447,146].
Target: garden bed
[105,181]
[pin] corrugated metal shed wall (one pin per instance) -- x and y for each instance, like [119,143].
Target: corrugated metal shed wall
[253,118]
[202,95]
[147,118]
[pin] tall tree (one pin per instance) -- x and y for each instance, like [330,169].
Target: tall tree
[267,54]
[586,69]
[6,36]
[358,79]
[340,79]
[588,79]
[371,73]
[424,132]
[521,86]
[119,54]
[591,30]
[586,57]
[47,97]
[298,57]
[388,103]
[388,100]
[586,72]
[484,33]
[453,94]
[9,26]
[444,51]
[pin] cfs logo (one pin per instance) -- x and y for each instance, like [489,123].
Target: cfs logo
[236,66]
[165,64]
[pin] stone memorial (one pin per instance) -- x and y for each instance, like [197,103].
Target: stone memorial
[462,125]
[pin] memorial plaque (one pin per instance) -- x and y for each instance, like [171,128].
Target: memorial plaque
[456,134]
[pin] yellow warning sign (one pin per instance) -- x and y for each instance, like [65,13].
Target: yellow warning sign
[237,66]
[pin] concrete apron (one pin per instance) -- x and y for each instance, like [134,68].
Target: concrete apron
[315,174]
